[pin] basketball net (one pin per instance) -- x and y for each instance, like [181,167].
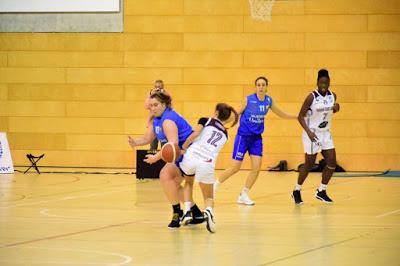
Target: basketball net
[261,9]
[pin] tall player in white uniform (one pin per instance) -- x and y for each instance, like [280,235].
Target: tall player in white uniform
[316,118]
[200,157]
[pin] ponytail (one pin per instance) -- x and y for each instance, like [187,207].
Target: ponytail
[225,111]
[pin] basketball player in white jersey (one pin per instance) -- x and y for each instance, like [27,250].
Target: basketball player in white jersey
[200,157]
[316,118]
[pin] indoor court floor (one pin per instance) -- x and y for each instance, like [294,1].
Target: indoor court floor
[109,219]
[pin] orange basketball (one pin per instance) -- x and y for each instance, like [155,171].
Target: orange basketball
[170,152]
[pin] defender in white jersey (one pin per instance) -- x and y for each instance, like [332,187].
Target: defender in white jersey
[200,157]
[316,118]
[319,120]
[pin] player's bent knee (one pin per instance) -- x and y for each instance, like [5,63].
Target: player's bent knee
[168,172]
[234,169]
[166,176]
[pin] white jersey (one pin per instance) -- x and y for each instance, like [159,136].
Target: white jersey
[210,141]
[319,115]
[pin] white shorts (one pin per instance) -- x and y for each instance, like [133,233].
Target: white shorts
[202,170]
[324,142]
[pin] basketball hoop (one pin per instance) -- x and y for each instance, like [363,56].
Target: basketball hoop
[261,9]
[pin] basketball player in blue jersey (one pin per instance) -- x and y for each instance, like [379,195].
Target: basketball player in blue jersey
[158,86]
[316,119]
[167,126]
[200,159]
[249,139]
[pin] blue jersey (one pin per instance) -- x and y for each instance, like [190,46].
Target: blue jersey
[252,118]
[184,129]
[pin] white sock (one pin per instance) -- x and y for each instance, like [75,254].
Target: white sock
[322,187]
[188,204]
[297,187]
[245,190]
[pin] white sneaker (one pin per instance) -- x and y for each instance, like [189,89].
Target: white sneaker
[245,199]
[211,226]
[216,187]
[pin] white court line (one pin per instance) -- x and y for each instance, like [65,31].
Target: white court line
[64,198]
[127,259]
[45,212]
[387,213]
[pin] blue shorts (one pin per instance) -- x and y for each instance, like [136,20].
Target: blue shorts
[252,144]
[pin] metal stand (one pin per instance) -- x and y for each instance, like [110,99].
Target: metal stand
[34,160]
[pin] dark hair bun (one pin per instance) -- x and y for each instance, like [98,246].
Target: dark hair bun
[323,73]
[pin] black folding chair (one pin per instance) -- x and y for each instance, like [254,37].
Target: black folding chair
[34,160]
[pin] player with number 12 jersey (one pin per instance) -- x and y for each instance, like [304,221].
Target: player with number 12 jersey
[210,141]
[203,147]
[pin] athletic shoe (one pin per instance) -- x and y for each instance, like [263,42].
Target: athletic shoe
[321,195]
[187,218]
[245,199]
[175,220]
[198,216]
[296,196]
[211,227]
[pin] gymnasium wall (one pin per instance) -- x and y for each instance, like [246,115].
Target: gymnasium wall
[76,96]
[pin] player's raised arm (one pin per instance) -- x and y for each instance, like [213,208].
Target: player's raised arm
[148,137]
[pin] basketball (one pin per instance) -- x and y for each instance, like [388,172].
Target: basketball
[170,152]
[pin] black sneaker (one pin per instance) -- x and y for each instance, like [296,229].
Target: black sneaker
[296,196]
[321,195]
[175,222]
[211,227]
[198,216]
[187,218]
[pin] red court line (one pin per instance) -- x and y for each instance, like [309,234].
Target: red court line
[64,235]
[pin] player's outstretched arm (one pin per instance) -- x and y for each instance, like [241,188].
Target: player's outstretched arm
[147,138]
[281,113]
[171,133]
[192,136]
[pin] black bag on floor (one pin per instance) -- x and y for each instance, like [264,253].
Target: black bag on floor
[282,166]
